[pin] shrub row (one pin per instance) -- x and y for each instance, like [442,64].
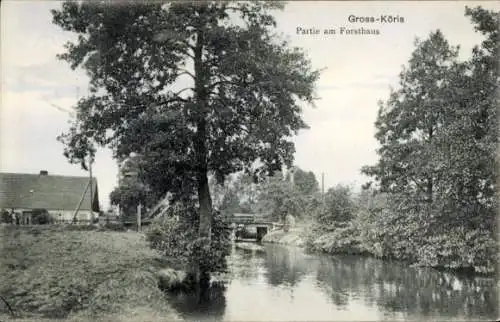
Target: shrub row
[385,227]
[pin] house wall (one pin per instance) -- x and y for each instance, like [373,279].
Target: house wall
[65,216]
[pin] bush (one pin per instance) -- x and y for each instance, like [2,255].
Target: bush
[6,217]
[459,249]
[392,227]
[443,234]
[342,238]
[176,235]
[334,230]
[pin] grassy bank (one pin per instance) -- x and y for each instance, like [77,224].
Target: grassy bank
[340,242]
[294,237]
[51,272]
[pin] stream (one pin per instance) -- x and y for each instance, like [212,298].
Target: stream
[279,283]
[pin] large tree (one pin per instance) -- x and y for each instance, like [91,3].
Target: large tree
[305,181]
[410,123]
[194,88]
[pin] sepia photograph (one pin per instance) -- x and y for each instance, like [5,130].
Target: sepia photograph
[249,160]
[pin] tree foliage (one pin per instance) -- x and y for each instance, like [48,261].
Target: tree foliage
[277,198]
[295,193]
[305,181]
[411,124]
[247,191]
[279,195]
[132,190]
[239,193]
[338,207]
[230,204]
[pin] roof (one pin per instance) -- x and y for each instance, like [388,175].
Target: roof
[51,192]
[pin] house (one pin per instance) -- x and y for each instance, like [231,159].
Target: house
[60,196]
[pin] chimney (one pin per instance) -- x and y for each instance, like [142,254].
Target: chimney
[44,173]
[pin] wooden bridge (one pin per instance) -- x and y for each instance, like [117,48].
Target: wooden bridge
[243,223]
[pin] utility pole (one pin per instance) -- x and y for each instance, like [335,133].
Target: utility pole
[91,159]
[139,210]
[323,186]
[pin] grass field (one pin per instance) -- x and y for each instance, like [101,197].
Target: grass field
[54,273]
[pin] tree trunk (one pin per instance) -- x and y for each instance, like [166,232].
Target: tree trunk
[201,140]
[200,145]
[205,206]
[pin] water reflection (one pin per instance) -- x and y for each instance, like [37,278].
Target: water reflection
[416,292]
[245,264]
[210,304]
[286,284]
[285,266]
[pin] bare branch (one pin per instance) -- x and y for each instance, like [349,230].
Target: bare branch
[71,113]
[182,90]
[185,72]
[175,99]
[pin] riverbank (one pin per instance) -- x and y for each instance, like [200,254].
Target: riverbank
[294,237]
[50,272]
[249,246]
[345,241]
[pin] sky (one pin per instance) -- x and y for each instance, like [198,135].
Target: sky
[37,89]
